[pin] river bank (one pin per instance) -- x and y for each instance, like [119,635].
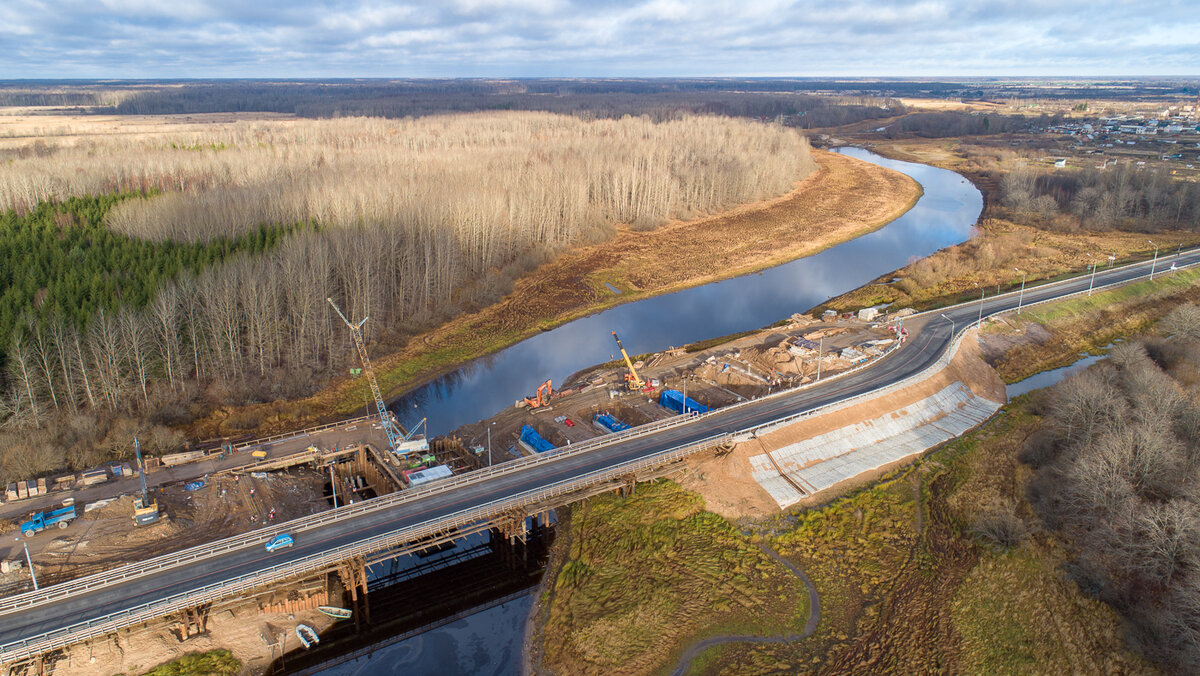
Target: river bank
[842,200]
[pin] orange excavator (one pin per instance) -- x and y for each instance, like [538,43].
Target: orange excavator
[539,402]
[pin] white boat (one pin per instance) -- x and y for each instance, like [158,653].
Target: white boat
[307,635]
[333,611]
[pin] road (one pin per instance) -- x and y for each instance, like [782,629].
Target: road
[929,334]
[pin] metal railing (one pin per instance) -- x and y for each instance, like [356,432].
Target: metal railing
[258,537]
[107,624]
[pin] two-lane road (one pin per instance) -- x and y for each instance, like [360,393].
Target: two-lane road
[930,334]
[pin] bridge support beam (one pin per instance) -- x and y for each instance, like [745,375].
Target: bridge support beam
[353,574]
[192,622]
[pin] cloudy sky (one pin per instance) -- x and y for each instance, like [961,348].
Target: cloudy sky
[459,38]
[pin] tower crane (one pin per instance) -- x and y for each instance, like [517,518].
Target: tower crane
[385,417]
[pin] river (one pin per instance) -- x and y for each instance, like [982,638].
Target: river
[943,216]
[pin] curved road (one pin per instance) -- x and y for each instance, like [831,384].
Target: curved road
[929,333]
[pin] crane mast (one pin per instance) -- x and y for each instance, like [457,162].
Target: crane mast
[385,418]
[635,382]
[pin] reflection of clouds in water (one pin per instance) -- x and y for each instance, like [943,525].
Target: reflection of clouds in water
[943,216]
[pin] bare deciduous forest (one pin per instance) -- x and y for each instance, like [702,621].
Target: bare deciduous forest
[408,221]
[1118,475]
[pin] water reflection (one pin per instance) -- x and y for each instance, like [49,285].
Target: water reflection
[488,642]
[943,216]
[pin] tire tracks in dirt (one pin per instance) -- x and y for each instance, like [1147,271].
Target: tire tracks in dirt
[814,618]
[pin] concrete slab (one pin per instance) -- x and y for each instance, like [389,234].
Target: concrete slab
[828,459]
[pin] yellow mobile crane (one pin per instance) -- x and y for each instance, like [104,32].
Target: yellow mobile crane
[632,381]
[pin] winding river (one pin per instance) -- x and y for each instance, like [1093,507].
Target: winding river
[943,216]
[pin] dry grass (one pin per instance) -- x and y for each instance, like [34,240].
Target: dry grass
[990,260]
[908,589]
[650,574]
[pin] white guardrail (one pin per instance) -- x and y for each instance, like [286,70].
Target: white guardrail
[260,536]
[141,569]
[83,631]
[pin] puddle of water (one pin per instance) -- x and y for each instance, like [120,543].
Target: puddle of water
[945,215]
[612,288]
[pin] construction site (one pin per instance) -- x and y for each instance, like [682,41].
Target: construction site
[636,390]
[123,513]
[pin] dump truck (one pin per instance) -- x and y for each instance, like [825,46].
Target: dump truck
[43,520]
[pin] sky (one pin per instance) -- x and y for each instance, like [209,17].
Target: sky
[572,38]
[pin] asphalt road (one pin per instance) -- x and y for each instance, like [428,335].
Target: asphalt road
[928,335]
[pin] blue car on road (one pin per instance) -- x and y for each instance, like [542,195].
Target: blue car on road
[280,542]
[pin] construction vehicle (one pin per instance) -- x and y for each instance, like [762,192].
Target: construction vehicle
[632,380]
[43,520]
[546,387]
[145,511]
[394,435]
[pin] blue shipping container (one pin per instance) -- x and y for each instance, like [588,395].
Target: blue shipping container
[675,401]
[535,440]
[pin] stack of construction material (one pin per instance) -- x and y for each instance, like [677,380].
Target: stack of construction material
[533,442]
[675,401]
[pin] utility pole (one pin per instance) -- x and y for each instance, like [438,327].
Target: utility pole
[385,417]
[333,485]
[1093,281]
[29,561]
[951,325]
[1021,294]
[981,292]
[489,428]
[1155,261]
[820,357]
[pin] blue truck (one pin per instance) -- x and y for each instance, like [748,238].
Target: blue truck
[43,520]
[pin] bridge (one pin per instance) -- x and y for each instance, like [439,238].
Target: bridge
[500,498]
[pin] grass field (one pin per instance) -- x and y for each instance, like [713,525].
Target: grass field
[908,586]
[648,575]
[1086,324]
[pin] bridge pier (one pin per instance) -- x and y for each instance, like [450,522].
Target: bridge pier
[353,575]
[192,622]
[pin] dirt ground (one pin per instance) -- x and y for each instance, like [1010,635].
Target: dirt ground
[242,631]
[843,199]
[720,375]
[727,482]
[106,537]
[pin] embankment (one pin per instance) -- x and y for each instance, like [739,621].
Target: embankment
[818,457]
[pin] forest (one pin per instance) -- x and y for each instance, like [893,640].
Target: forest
[1122,197]
[1118,476]
[186,271]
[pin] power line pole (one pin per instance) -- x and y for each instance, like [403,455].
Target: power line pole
[1021,295]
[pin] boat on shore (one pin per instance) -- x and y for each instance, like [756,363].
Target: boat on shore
[335,612]
[307,635]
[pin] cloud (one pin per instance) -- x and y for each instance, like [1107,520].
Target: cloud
[349,38]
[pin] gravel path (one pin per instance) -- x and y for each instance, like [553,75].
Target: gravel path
[814,617]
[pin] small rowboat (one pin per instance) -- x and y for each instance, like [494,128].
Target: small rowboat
[332,611]
[307,635]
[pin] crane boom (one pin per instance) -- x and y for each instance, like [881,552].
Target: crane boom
[385,417]
[635,382]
